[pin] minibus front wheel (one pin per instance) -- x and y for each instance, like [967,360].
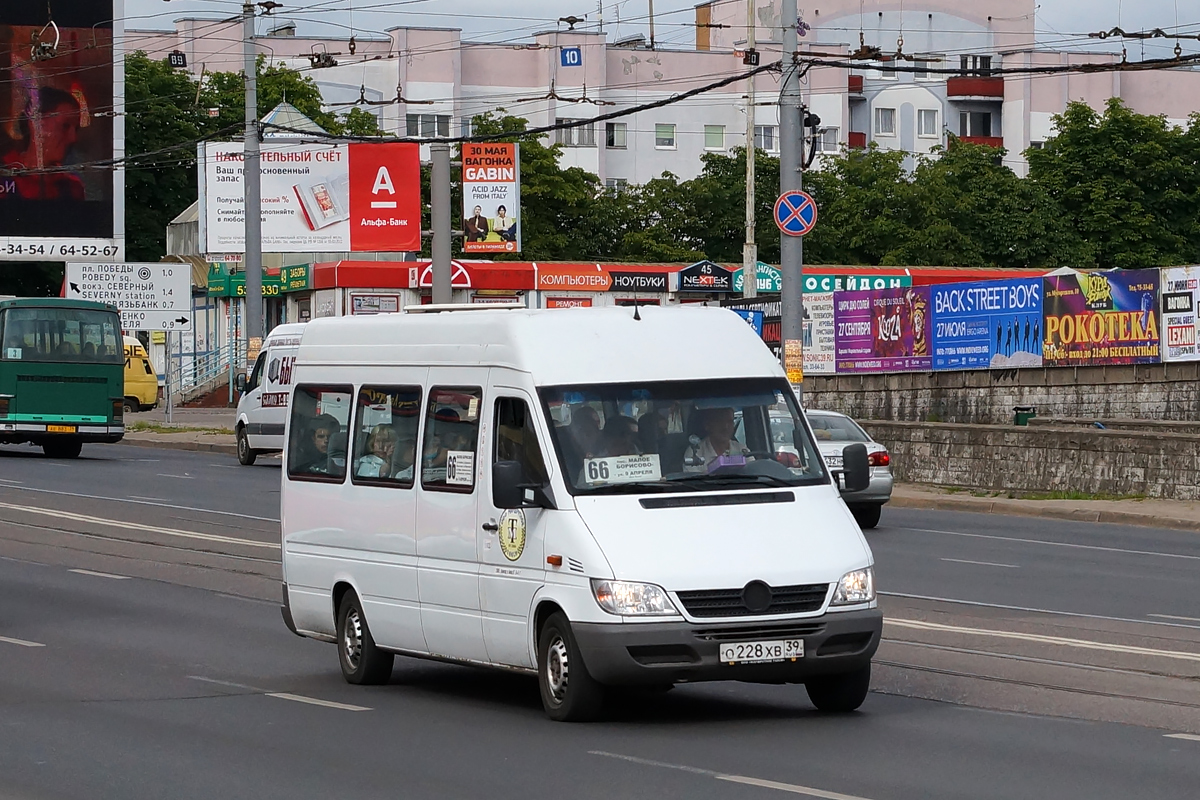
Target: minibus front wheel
[840,693]
[569,692]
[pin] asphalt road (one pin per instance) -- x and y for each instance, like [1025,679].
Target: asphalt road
[160,667]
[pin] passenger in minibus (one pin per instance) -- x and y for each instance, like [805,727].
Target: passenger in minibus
[321,430]
[403,459]
[620,437]
[381,444]
[719,425]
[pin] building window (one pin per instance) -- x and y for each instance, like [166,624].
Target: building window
[428,126]
[464,127]
[714,137]
[664,136]
[975,123]
[922,65]
[827,140]
[975,65]
[615,134]
[887,71]
[766,137]
[885,122]
[1037,145]
[927,123]
[618,184]
[583,135]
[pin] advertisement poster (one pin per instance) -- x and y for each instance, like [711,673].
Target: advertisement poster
[316,197]
[491,181]
[987,324]
[705,276]
[819,354]
[882,330]
[1101,318]
[61,122]
[1180,292]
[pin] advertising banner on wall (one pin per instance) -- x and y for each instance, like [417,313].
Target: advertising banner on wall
[987,324]
[316,197]
[819,352]
[491,181]
[1101,318]
[882,330]
[1180,293]
[61,127]
[815,282]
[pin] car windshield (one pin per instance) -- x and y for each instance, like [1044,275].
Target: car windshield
[680,436]
[836,428]
[62,334]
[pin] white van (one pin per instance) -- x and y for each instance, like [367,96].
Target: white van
[562,492]
[262,407]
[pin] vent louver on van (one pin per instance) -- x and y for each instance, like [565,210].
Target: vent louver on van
[575,564]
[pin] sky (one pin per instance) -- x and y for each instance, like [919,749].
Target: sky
[1061,24]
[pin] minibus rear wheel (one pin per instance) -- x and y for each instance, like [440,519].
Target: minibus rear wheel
[362,662]
[840,693]
[569,692]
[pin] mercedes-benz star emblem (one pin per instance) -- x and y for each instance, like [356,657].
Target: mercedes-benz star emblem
[756,596]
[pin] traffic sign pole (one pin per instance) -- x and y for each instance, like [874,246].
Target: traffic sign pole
[791,248]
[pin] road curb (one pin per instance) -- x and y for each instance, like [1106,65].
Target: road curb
[203,447]
[985,506]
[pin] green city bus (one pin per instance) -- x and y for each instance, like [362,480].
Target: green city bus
[62,374]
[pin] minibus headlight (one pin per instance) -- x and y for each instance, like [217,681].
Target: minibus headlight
[855,587]
[632,599]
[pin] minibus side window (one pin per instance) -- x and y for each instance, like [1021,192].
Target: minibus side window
[385,435]
[317,445]
[451,435]
[516,439]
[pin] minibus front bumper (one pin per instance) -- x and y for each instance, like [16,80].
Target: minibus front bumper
[650,653]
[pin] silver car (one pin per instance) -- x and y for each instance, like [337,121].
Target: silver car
[834,432]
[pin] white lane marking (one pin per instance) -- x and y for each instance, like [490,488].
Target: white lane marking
[181,477]
[1172,616]
[223,683]
[791,788]
[100,574]
[312,701]
[6,480]
[167,504]
[21,642]
[134,526]
[151,499]
[1083,644]
[1191,737]
[1057,544]
[980,563]
[1027,609]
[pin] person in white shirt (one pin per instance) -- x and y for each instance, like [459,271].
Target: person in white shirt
[382,446]
[503,225]
[719,425]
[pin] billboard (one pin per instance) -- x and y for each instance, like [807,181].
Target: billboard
[1180,293]
[882,330]
[491,183]
[1101,318]
[62,184]
[316,197]
[988,324]
[819,354]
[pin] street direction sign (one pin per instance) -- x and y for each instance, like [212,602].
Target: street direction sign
[151,297]
[795,213]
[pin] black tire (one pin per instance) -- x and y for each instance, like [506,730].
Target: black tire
[363,663]
[131,405]
[245,453]
[62,448]
[839,694]
[867,516]
[569,692]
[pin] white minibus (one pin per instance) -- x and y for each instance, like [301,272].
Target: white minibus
[263,404]
[591,495]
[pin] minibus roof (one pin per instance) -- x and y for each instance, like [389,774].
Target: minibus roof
[556,346]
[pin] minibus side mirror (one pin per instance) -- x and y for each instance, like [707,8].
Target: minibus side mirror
[856,470]
[239,382]
[512,489]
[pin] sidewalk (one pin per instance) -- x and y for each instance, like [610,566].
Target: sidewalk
[1178,514]
[208,429]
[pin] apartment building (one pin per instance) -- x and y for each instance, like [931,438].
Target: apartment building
[936,71]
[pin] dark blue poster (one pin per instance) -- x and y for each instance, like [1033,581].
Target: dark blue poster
[988,324]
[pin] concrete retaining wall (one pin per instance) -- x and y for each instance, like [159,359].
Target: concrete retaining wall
[1042,459]
[987,397]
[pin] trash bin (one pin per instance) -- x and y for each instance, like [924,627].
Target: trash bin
[1022,414]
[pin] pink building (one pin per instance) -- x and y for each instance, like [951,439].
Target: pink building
[439,82]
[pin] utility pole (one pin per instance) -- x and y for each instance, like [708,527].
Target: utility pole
[251,177]
[651,24]
[750,248]
[439,153]
[791,160]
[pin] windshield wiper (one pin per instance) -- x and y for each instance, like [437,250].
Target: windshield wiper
[633,487]
[733,479]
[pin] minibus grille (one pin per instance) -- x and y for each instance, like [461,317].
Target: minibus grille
[731,602]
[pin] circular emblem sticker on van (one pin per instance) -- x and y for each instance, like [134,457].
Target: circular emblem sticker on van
[512,533]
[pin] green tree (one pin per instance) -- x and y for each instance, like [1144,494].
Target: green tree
[226,91]
[1128,183]
[716,220]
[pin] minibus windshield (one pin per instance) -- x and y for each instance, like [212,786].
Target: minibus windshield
[673,436]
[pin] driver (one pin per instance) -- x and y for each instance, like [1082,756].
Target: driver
[719,425]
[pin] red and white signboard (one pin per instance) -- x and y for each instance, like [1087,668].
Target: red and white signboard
[315,197]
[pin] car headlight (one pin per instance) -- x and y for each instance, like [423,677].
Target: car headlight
[632,599]
[855,587]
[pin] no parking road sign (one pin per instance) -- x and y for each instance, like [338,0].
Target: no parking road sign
[795,213]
